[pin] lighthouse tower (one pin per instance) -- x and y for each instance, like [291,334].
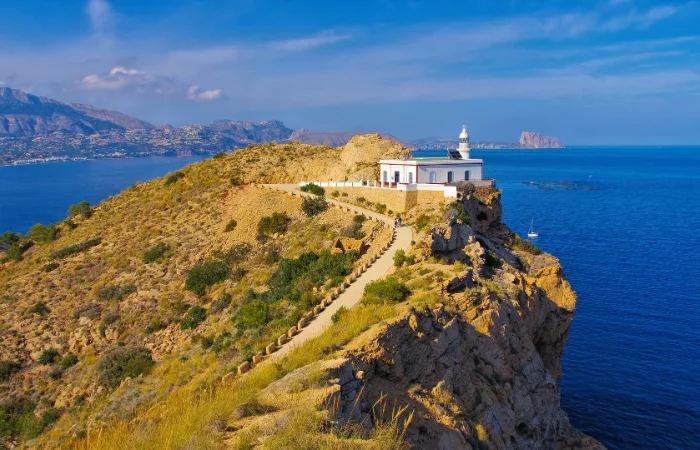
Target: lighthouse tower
[464,148]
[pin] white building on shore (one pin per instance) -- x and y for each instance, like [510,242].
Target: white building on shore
[456,167]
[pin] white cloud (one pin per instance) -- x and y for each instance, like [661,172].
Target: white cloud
[195,93]
[307,43]
[636,19]
[123,71]
[100,16]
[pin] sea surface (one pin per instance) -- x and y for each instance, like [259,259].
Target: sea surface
[625,223]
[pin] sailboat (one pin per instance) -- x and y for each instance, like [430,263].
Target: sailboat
[532,233]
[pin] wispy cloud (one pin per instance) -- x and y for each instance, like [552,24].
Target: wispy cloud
[100,14]
[640,19]
[197,94]
[311,42]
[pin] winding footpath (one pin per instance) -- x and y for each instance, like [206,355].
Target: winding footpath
[353,294]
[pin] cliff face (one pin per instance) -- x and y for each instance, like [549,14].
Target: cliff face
[528,139]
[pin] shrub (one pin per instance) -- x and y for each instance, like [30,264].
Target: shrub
[69,361]
[110,318]
[422,221]
[492,260]
[271,257]
[158,253]
[7,368]
[174,178]
[381,208]
[73,249]
[388,289]
[16,250]
[399,257]
[314,189]
[70,224]
[335,193]
[17,418]
[221,303]
[525,245]
[121,362]
[50,267]
[344,194]
[276,223]
[194,317]
[235,255]
[206,342]
[156,325]
[48,356]
[40,309]
[41,233]
[252,315]
[313,206]
[354,231]
[230,226]
[81,209]
[339,314]
[359,218]
[235,180]
[8,238]
[359,199]
[205,275]
[219,155]
[116,292]
[456,210]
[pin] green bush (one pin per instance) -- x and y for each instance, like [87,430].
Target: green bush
[252,315]
[193,318]
[422,221]
[16,250]
[41,233]
[8,238]
[158,253]
[50,267]
[40,309]
[335,193]
[17,418]
[7,368]
[235,255]
[174,178]
[110,318]
[156,325]
[313,206]
[359,218]
[69,361]
[381,208]
[221,303]
[354,230]
[116,292]
[295,277]
[235,180]
[48,356]
[339,314]
[205,275]
[271,257]
[230,226]
[70,224]
[525,245]
[314,189]
[400,258]
[276,223]
[219,155]
[121,362]
[456,210]
[81,209]
[73,249]
[389,289]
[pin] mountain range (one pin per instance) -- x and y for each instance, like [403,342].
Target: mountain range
[38,129]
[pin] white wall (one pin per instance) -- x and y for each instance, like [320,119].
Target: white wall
[475,173]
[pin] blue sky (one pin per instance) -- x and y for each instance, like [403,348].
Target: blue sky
[591,72]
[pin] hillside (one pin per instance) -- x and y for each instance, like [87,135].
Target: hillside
[26,115]
[117,326]
[329,138]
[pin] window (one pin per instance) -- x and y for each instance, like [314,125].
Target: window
[433,177]
[450,176]
[466,175]
[397,176]
[385,176]
[410,177]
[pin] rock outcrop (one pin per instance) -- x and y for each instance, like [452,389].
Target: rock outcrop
[528,139]
[329,138]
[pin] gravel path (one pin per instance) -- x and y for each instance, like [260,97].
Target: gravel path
[353,294]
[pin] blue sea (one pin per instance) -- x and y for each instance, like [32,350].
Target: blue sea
[625,223]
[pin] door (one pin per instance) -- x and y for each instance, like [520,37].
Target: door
[410,177]
[397,176]
[450,176]
[433,177]
[385,176]
[466,175]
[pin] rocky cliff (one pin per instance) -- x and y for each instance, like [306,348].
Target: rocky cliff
[528,139]
[329,138]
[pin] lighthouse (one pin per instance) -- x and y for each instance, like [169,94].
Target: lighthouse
[464,148]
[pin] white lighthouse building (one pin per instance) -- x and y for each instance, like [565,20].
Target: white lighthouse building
[454,168]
